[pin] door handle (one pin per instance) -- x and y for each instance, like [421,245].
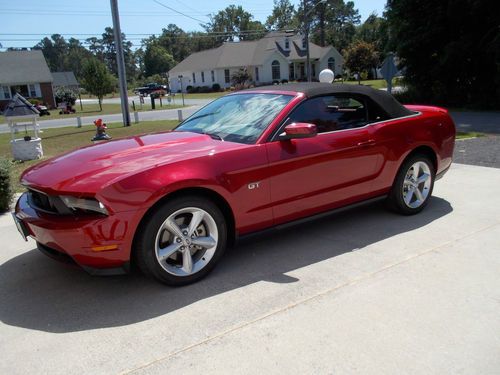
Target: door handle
[370,142]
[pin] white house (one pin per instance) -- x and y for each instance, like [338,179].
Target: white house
[276,57]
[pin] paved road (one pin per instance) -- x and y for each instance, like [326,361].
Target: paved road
[366,292]
[484,122]
[168,114]
[176,100]
[483,151]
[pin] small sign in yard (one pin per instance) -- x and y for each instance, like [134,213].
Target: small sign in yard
[389,70]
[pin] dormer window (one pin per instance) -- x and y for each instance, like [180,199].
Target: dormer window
[287,44]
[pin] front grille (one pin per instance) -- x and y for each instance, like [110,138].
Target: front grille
[47,203]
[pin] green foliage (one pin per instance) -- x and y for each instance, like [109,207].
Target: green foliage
[374,31]
[282,17]
[216,87]
[450,50]
[64,94]
[360,57]
[240,77]
[157,60]
[234,20]
[332,23]
[96,79]
[6,192]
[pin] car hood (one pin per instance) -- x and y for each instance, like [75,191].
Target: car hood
[91,168]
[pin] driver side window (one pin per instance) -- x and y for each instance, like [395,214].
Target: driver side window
[331,113]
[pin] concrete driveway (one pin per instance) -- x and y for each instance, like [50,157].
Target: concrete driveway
[365,291]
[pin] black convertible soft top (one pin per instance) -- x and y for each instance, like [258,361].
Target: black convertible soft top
[385,100]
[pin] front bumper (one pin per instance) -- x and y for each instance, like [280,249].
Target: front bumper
[96,243]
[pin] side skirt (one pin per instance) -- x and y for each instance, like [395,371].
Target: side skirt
[321,215]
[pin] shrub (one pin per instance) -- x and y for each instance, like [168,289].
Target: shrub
[35,101]
[216,87]
[283,81]
[6,192]
[189,88]
[205,89]
[63,94]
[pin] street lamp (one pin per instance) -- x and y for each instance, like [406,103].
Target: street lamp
[306,36]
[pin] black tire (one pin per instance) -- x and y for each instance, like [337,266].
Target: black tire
[145,248]
[396,198]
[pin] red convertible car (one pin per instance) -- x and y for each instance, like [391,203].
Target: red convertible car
[170,203]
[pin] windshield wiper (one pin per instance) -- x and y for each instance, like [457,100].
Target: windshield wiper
[197,117]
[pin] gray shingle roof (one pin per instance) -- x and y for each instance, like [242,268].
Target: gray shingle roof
[64,79]
[236,54]
[19,106]
[22,67]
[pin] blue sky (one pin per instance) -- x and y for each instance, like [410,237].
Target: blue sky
[90,17]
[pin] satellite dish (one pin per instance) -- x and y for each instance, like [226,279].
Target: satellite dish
[326,75]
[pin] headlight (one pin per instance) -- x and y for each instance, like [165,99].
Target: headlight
[87,204]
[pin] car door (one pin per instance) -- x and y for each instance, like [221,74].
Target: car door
[334,168]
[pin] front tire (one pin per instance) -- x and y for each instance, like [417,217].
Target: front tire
[181,241]
[413,185]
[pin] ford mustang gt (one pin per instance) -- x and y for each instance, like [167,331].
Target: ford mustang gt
[170,203]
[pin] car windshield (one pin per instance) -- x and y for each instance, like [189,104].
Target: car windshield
[236,118]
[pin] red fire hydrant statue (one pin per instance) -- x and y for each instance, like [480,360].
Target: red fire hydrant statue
[100,134]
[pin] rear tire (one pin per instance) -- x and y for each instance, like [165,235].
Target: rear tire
[413,185]
[181,241]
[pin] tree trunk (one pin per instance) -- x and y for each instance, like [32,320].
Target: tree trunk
[100,104]
[322,25]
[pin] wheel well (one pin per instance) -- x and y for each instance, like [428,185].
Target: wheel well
[427,151]
[206,193]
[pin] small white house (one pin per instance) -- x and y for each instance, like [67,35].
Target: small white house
[276,57]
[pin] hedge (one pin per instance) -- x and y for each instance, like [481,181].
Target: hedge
[6,192]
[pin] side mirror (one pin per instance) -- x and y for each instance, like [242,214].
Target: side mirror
[299,130]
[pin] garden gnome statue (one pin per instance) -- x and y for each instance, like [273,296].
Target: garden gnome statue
[100,134]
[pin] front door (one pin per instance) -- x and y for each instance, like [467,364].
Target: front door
[332,169]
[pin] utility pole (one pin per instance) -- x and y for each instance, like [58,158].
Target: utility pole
[120,62]
[306,36]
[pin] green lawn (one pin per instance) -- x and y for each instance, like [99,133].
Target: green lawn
[465,135]
[107,109]
[210,95]
[59,140]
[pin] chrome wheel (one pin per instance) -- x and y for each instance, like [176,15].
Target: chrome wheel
[186,241]
[417,184]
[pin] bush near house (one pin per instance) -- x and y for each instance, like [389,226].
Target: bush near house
[6,192]
[216,87]
[66,95]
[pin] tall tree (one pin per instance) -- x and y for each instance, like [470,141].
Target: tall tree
[157,60]
[235,22]
[109,53]
[96,79]
[54,50]
[447,58]
[283,16]
[360,57]
[374,31]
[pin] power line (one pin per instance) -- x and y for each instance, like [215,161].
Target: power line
[176,11]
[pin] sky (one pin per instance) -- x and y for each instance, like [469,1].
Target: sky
[26,23]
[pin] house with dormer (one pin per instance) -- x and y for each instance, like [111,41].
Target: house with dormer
[275,58]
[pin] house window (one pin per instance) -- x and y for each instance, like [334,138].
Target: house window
[291,76]
[287,44]
[256,74]
[203,77]
[21,89]
[6,92]
[313,70]
[213,76]
[227,78]
[331,64]
[194,78]
[275,65]
[303,43]
[32,91]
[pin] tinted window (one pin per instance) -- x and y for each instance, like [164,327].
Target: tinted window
[330,113]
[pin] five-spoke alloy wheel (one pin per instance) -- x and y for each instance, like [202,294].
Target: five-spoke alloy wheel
[182,240]
[413,185]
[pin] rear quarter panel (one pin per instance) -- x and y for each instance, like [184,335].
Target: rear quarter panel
[429,126]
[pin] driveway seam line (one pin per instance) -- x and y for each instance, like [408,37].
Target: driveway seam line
[305,300]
